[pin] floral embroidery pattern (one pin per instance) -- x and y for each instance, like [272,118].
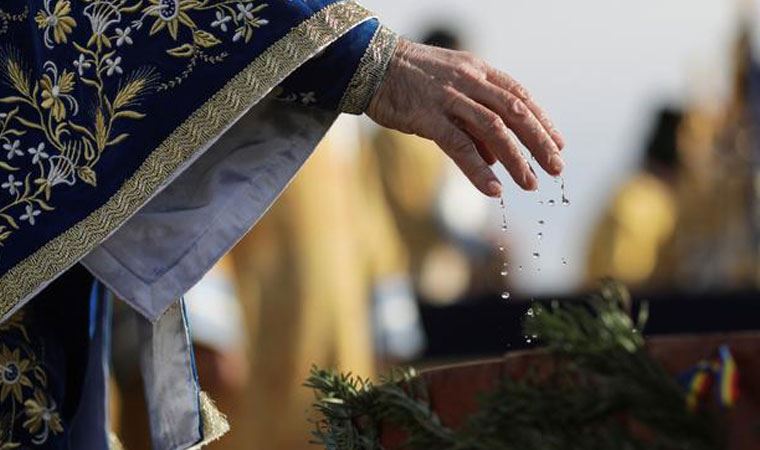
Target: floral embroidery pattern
[305,98]
[42,418]
[57,21]
[26,408]
[49,138]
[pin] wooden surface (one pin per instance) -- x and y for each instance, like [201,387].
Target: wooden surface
[454,390]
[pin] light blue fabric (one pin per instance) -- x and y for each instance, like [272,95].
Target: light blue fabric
[171,383]
[173,241]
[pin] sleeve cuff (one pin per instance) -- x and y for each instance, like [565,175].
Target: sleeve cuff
[370,73]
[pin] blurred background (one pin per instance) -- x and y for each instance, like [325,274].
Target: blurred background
[381,254]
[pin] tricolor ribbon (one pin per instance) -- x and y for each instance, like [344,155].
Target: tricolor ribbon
[720,372]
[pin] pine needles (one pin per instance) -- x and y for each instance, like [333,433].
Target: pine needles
[603,393]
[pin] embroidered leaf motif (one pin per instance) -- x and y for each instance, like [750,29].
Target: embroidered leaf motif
[101,133]
[118,139]
[12,99]
[18,78]
[8,167]
[129,114]
[183,51]
[43,205]
[10,220]
[128,93]
[87,175]
[4,234]
[205,39]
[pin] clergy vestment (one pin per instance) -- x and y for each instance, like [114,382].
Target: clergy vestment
[140,140]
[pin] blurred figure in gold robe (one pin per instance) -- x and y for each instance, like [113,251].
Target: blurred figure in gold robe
[306,275]
[633,243]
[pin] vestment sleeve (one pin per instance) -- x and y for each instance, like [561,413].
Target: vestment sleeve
[346,76]
[141,138]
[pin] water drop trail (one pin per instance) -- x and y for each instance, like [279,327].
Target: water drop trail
[502,248]
[565,200]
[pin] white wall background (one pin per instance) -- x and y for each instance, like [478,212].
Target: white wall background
[601,67]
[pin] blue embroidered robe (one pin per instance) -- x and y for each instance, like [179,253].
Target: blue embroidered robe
[142,139]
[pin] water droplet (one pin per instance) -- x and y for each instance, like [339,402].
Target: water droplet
[530,312]
[528,340]
[564,261]
[502,248]
[505,295]
[552,202]
[541,222]
[540,202]
[520,268]
[536,255]
[565,200]
[540,235]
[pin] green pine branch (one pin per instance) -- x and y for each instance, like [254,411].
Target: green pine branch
[604,392]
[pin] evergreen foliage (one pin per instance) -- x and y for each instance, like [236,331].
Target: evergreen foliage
[603,392]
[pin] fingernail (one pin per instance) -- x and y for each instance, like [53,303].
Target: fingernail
[529,181]
[558,138]
[494,189]
[556,164]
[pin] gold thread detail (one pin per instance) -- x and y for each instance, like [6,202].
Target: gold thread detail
[371,72]
[215,424]
[240,93]
[113,442]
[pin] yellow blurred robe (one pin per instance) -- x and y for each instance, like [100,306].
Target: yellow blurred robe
[412,171]
[305,275]
[633,242]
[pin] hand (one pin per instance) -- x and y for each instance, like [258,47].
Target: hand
[467,108]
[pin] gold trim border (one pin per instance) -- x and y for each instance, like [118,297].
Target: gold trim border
[371,72]
[215,424]
[241,93]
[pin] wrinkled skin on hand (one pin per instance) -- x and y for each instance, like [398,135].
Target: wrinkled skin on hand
[467,108]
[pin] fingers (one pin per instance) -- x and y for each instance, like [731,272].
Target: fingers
[488,128]
[487,156]
[461,148]
[509,84]
[516,114]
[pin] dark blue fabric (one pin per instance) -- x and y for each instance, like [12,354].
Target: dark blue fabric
[48,44]
[43,358]
[322,81]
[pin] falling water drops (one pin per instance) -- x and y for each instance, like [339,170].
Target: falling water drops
[565,200]
[552,202]
[504,272]
[540,235]
[520,268]
[564,261]
[530,312]
[536,255]
[541,222]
